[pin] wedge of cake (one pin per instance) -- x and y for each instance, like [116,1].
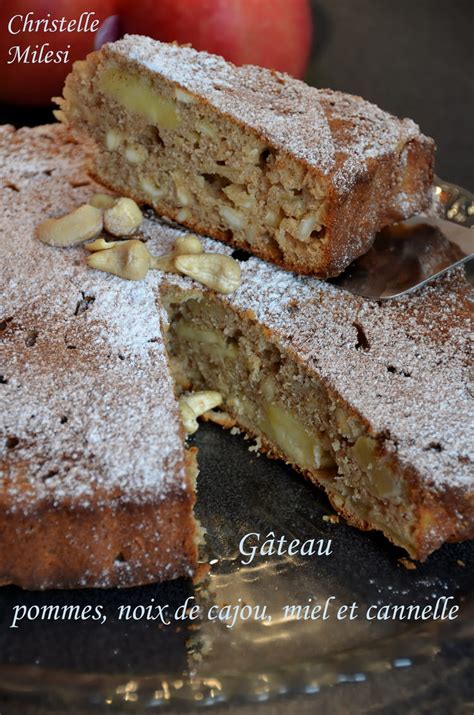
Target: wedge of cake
[371,402]
[299,176]
[96,486]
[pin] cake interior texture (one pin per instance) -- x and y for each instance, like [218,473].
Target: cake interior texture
[279,399]
[96,486]
[301,177]
[371,402]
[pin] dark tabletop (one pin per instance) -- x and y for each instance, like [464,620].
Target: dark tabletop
[414,58]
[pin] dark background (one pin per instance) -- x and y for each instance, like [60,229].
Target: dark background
[414,58]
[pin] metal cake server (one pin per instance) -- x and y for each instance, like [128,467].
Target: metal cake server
[407,255]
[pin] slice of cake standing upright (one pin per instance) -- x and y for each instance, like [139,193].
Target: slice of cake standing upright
[299,176]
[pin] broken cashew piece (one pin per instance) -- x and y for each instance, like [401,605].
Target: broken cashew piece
[100,244]
[187,245]
[184,245]
[123,218]
[80,225]
[102,201]
[214,270]
[127,259]
[164,263]
[196,404]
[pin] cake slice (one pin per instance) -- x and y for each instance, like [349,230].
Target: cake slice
[301,177]
[371,402]
[96,486]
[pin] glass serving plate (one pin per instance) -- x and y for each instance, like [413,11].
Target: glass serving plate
[139,665]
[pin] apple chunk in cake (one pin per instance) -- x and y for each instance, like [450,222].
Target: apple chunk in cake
[278,396]
[299,176]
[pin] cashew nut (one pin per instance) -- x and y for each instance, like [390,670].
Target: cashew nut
[123,218]
[127,259]
[78,226]
[214,270]
[100,244]
[102,201]
[184,245]
[194,405]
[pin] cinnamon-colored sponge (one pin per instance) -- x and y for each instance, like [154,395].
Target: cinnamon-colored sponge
[299,176]
[372,402]
[96,486]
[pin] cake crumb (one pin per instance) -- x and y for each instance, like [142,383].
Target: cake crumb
[331,518]
[256,447]
[460,562]
[409,565]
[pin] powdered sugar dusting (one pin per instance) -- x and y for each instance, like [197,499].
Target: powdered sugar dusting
[411,382]
[88,407]
[333,132]
[98,358]
[364,133]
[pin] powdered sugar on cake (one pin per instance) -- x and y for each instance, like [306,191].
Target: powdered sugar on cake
[333,132]
[87,399]
[409,380]
[88,406]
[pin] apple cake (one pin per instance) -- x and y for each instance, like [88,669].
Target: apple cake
[96,486]
[299,176]
[371,402]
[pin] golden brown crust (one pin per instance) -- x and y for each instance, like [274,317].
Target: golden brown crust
[96,487]
[354,214]
[112,543]
[102,547]
[361,168]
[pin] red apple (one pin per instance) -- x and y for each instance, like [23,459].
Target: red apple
[269,33]
[33,82]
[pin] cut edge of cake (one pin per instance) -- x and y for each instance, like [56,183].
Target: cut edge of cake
[296,416]
[285,309]
[301,177]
